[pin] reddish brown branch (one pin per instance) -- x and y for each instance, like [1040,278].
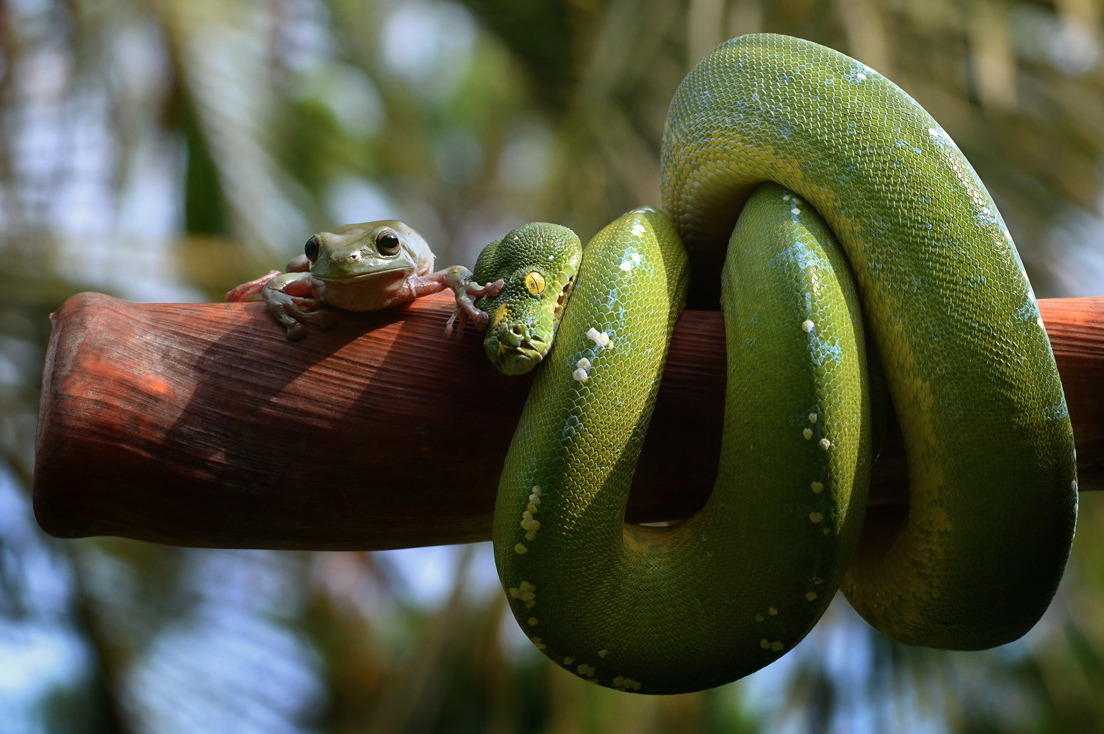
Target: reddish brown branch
[201,425]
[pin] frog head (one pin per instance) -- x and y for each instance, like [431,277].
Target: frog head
[362,267]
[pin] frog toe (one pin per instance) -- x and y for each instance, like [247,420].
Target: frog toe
[296,331]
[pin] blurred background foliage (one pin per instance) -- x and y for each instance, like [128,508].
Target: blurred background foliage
[164,151]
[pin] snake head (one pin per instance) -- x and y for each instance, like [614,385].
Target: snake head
[538,262]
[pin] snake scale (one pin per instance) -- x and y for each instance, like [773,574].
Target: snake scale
[802,184]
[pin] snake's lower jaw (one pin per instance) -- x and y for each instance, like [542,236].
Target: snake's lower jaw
[519,364]
[516,359]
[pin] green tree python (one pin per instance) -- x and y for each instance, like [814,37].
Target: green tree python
[801,183]
[974,560]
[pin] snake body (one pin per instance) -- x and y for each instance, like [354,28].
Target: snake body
[974,558]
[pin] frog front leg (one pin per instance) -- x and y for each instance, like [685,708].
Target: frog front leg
[291,299]
[254,287]
[247,290]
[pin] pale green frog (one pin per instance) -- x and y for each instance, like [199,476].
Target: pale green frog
[361,267]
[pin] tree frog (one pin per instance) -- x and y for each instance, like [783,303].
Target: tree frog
[362,267]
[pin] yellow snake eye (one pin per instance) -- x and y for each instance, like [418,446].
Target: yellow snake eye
[534,283]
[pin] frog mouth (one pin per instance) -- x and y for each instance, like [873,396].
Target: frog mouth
[366,275]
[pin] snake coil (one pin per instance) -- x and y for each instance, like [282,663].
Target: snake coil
[835,188]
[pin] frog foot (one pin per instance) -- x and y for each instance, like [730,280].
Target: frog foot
[292,310]
[459,280]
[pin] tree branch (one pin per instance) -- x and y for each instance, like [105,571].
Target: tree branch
[201,425]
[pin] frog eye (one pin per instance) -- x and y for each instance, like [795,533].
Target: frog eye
[387,242]
[311,248]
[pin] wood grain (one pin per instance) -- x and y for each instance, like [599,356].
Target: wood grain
[201,425]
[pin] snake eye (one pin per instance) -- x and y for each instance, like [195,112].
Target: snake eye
[387,242]
[534,283]
[311,248]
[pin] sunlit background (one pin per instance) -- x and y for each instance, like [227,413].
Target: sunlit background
[165,151]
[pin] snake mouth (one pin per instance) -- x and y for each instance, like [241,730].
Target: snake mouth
[561,300]
[519,358]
